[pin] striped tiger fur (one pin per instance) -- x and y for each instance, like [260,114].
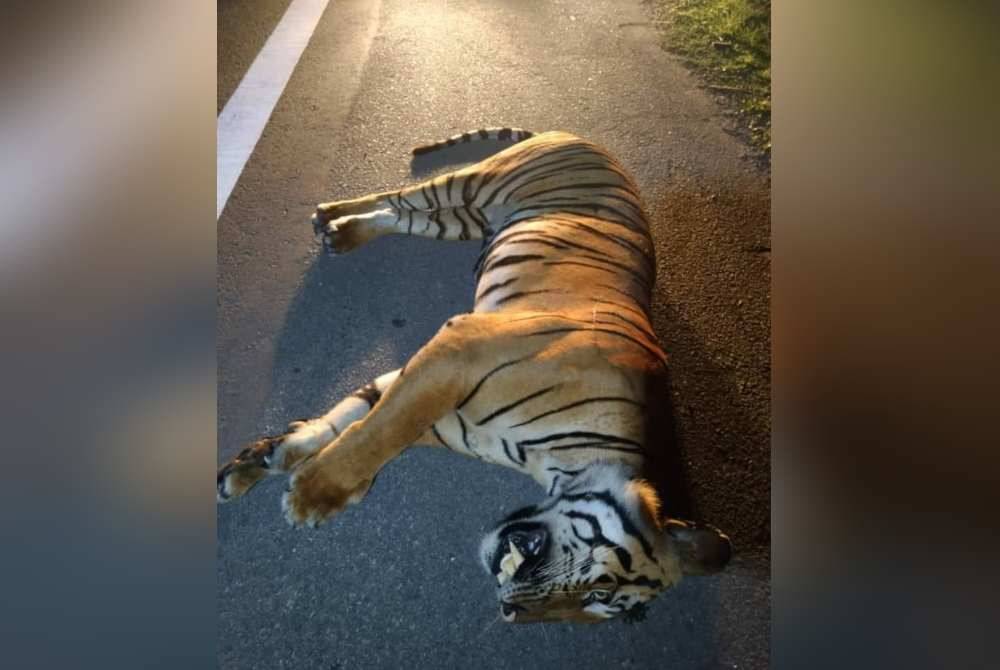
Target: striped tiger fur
[556,373]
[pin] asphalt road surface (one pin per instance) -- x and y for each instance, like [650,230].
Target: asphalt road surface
[394,582]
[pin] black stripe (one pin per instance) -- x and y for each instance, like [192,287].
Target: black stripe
[492,245]
[467,190]
[487,376]
[619,305]
[577,404]
[645,330]
[641,580]
[523,513]
[514,259]
[504,134]
[535,317]
[409,205]
[449,182]
[554,240]
[515,166]
[552,488]
[494,287]
[507,236]
[655,352]
[477,215]
[592,445]
[630,201]
[586,187]
[537,167]
[584,200]
[507,408]
[526,237]
[565,472]
[433,190]
[588,265]
[534,240]
[506,450]
[642,279]
[438,435]
[511,174]
[580,433]
[484,134]
[504,166]
[520,294]
[461,422]
[457,213]
[483,176]
[623,516]
[588,542]
[592,322]
[620,241]
[641,303]
[624,557]
[590,211]
[436,217]
[566,203]
[560,169]
[595,528]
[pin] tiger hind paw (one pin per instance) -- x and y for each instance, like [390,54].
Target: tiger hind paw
[347,232]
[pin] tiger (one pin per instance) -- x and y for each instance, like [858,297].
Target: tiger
[556,373]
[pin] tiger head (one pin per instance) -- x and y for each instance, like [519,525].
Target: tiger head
[593,550]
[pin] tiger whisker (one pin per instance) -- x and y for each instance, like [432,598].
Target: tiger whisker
[489,625]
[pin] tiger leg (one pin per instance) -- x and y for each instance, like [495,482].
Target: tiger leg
[433,384]
[443,207]
[447,190]
[451,223]
[281,453]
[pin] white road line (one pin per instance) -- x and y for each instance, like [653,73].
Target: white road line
[242,120]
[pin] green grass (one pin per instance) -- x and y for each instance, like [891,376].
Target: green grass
[728,42]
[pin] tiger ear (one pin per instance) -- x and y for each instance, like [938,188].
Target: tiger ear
[702,549]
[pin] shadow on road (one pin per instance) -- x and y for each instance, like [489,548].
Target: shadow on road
[425,165]
[711,311]
[330,342]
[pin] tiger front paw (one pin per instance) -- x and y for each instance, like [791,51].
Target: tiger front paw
[317,491]
[270,455]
